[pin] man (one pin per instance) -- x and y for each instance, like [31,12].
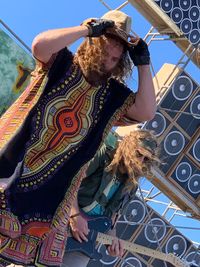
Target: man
[110,184]
[74,100]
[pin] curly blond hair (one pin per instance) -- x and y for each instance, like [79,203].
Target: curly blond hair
[92,51]
[128,152]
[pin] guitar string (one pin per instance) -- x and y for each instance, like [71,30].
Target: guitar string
[150,222]
[122,233]
[172,226]
[135,254]
[180,112]
[153,226]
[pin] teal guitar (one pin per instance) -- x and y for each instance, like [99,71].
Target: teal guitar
[95,224]
[98,227]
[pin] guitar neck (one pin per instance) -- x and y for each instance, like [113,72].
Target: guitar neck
[107,240]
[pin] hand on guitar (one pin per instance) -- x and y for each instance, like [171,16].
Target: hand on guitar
[116,249]
[79,228]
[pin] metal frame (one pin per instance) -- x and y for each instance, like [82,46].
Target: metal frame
[21,42]
[148,195]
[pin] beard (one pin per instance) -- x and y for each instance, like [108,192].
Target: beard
[96,77]
[94,71]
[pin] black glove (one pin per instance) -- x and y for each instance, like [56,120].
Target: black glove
[140,53]
[98,27]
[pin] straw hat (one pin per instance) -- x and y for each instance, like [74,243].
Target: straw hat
[122,26]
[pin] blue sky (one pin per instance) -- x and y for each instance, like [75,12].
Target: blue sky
[28,18]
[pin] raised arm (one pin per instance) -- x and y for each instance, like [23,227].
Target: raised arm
[50,42]
[144,107]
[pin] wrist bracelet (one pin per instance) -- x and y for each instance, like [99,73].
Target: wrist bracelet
[75,215]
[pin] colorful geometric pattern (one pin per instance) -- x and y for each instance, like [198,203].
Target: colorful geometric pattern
[9,224]
[61,123]
[67,115]
[13,118]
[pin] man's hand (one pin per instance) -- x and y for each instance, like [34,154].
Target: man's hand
[97,27]
[139,53]
[116,249]
[79,228]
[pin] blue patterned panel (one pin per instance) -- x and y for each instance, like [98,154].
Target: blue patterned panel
[186,15]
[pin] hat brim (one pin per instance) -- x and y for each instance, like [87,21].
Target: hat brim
[120,34]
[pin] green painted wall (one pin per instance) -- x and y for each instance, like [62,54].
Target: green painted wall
[15,68]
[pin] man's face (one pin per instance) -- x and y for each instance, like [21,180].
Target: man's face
[112,56]
[141,157]
[101,65]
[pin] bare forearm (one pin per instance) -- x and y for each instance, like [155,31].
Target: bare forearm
[146,92]
[48,43]
[145,103]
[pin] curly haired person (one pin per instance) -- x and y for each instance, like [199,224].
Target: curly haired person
[66,112]
[110,184]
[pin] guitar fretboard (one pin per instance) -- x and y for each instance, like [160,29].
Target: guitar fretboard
[107,240]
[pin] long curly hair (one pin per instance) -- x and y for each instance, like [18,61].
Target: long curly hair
[128,156]
[91,52]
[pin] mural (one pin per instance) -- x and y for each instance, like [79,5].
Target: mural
[15,68]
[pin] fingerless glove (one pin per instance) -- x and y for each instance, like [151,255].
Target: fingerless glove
[98,27]
[140,53]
